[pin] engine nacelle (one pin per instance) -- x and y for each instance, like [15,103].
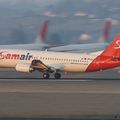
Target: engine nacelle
[24,67]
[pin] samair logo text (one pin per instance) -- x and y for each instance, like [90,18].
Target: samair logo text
[14,56]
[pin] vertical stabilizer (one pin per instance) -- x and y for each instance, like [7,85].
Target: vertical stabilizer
[105,35]
[113,50]
[109,58]
[42,33]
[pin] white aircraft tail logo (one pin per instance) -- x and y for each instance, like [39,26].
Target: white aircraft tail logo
[117,43]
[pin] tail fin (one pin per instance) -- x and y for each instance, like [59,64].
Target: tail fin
[106,30]
[109,58]
[43,30]
[113,49]
[42,33]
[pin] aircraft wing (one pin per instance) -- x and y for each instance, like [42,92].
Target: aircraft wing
[39,65]
[78,48]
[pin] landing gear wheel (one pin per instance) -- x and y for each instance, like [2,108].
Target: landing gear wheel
[46,76]
[57,75]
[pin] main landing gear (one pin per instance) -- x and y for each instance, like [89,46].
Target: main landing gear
[56,75]
[39,65]
[46,75]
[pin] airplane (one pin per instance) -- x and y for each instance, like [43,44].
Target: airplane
[39,42]
[73,48]
[55,62]
[90,47]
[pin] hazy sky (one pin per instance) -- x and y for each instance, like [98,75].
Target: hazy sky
[35,1]
[68,18]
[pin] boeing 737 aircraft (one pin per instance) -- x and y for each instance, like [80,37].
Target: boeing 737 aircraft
[55,62]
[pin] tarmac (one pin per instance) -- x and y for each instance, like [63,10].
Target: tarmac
[112,74]
[59,98]
[90,95]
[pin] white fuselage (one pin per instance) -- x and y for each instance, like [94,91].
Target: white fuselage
[63,61]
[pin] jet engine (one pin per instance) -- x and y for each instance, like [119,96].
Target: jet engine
[24,67]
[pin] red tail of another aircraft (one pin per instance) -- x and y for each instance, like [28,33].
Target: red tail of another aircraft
[42,33]
[43,30]
[106,31]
